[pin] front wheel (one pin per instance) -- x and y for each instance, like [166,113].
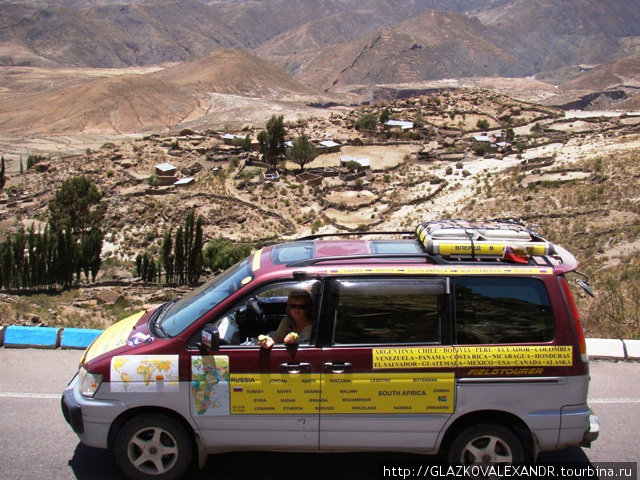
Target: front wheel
[484,444]
[153,446]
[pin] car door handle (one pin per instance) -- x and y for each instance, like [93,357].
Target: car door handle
[295,367]
[337,367]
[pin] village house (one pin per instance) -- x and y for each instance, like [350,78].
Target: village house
[398,125]
[166,174]
[328,146]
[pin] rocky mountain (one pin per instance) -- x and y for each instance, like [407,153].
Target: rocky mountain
[433,45]
[553,34]
[540,35]
[330,46]
[115,35]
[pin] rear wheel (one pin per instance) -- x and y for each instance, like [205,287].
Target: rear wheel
[486,443]
[153,446]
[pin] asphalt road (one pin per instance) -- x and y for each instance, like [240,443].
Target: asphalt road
[36,442]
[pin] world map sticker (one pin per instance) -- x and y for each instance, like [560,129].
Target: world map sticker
[144,373]
[210,385]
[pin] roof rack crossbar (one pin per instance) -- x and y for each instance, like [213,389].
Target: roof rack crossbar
[435,258]
[313,261]
[348,234]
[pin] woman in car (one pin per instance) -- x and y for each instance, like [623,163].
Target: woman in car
[296,325]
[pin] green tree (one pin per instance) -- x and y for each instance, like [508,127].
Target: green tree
[178,248]
[145,267]
[220,253]
[64,259]
[271,141]
[196,258]
[77,203]
[139,265]
[483,124]
[75,217]
[243,143]
[366,122]
[6,263]
[19,261]
[302,152]
[189,227]
[384,116]
[479,148]
[91,249]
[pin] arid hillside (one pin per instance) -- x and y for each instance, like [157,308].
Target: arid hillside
[574,178]
[169,65]
[135,103]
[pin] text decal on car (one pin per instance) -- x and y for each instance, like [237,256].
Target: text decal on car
[452,357]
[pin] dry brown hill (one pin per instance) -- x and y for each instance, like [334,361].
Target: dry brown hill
[235,72]
[430,46]
[618,72]
[144,103]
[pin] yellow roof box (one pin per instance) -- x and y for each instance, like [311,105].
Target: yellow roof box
[460,238]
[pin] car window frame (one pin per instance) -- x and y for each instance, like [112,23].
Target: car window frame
[330,310]
[317,311]
[511,278]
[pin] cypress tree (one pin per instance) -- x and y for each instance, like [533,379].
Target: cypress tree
[188,244]
[139,265]
[17,274]
[167,257]
[196,252]
[179,255]
[6,262]
[145,267]
[151,270]
[95,261]
[32,261]
[2,176]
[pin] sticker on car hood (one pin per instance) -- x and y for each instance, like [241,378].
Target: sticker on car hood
[113,337]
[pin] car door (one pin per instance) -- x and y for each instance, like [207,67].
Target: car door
[245,396]
[389,369]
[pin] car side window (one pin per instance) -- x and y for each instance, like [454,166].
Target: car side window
[388,311]
[261,312]
[502,310]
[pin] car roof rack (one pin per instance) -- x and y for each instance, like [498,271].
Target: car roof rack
[508,240]
[449,242]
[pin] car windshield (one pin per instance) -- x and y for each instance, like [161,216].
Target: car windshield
[190,308]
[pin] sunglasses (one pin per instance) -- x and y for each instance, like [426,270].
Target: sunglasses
[298,306]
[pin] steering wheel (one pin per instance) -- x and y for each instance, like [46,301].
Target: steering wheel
[255,307]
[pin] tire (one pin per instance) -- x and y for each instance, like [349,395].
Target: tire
[153,446]
[486,443]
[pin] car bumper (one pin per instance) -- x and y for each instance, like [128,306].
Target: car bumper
[592,434]
[72,412]
[90,418]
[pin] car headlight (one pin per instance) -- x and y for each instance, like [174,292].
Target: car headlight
[89,382]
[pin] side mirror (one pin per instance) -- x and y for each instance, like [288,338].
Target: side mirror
[209,340]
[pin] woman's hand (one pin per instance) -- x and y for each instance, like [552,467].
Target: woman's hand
[291,338]
[266,341]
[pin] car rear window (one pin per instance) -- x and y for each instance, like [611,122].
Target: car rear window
[502,310]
